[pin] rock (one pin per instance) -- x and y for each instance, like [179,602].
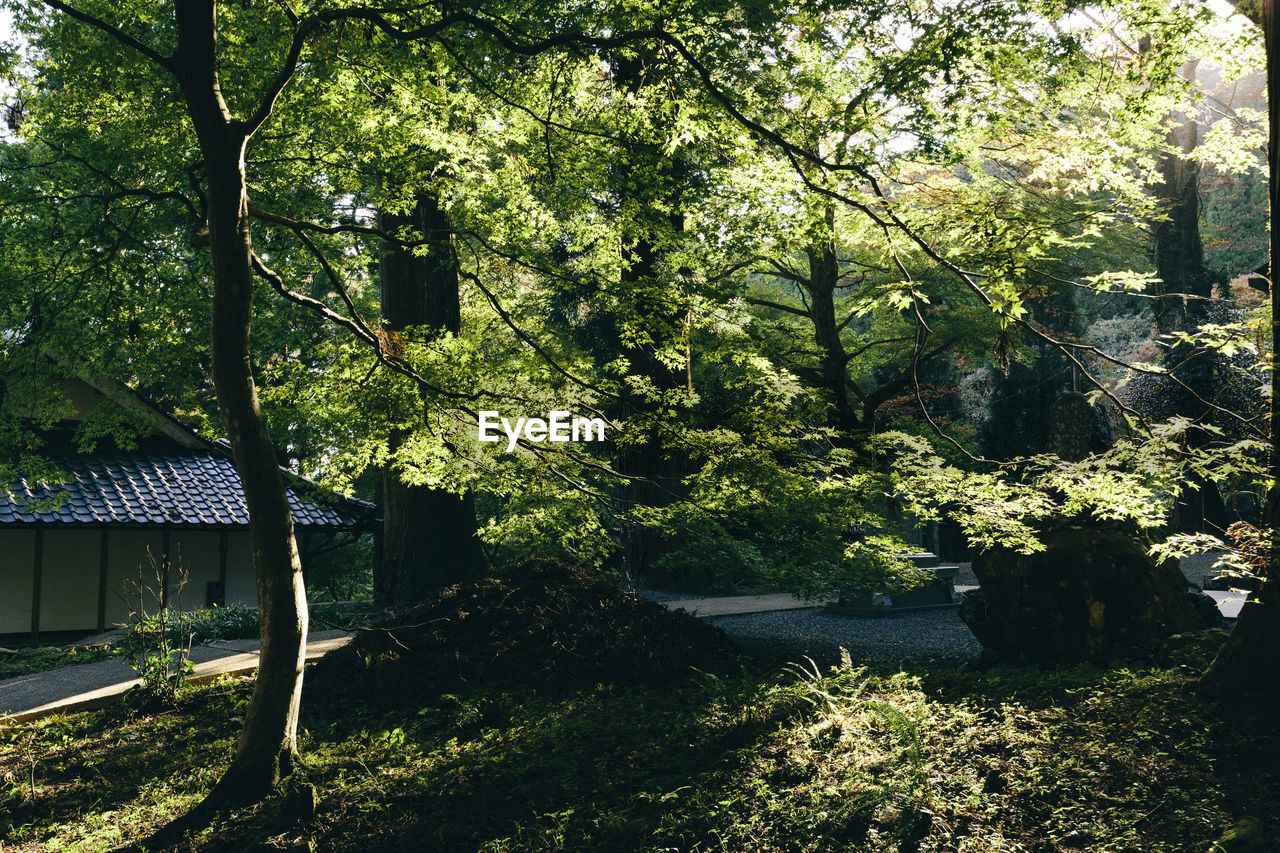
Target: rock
[1079,427]
[1206,608]
[1194,649]
[1247,836]
[1094,593]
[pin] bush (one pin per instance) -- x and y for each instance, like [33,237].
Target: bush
[195,627]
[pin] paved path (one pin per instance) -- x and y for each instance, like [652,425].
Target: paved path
[93,685]
[734,605]
[1229,603]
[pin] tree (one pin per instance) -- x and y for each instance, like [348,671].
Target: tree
[226,101]
[862,362]
[226,109]
[429,534]
[1250,660]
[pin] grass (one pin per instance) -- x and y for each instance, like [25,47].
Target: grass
[939,759]
[27,661]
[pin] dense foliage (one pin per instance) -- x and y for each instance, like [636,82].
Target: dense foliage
[744,253]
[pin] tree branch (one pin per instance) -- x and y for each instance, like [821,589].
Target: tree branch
[112,30]
[777,306]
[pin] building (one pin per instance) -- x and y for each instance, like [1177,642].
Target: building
[74,554]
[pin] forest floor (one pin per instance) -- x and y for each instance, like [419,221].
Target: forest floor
[586,746]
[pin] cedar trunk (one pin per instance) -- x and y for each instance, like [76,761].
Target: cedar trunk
[651,181]
[1179,259]
[429,535]
[267,744]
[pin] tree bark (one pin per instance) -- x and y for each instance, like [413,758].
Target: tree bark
[268,740]
[649,182]
[853,403]
[824,274]
[655,473]
[1250,661]
[1179,259]
[429,535]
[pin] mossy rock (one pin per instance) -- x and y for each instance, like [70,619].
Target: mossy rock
[1093,594]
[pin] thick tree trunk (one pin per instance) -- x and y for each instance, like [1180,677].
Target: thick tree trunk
[650,183]
[267,745]
[1250,662]
[1179,259]
[656,472]
[1178,250]
[824,274]
[429,535]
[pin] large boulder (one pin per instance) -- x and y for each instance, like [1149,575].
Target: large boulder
[1094,593]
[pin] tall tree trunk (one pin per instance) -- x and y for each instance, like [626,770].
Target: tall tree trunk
[1179,259]
[649,185]
[1250,662]
[429,535]
[824,274]
[268,740]
[655,472]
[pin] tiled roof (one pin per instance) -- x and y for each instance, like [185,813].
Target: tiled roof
[201,489]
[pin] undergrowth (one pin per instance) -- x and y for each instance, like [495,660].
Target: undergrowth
[807,760]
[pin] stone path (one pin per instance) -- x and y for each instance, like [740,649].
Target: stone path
[84,686]
[734,605]
[1229,603]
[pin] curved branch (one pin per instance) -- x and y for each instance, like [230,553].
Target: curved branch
[115,32]
[777,306]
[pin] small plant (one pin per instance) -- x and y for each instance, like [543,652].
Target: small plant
[159,639]
[883,727]
[230,622]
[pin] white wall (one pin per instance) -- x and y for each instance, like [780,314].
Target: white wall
[129,565]
[242,588]
[69,580]
[70,573]
[17,555]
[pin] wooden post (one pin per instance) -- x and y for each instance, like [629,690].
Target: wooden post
[224,545]
[37,578]
[102,580]
[164,568]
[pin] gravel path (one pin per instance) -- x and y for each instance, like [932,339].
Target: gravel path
[781,637]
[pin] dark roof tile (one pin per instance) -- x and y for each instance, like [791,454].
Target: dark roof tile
[190,489]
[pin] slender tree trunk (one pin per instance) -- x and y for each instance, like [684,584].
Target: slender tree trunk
[429,535]
[1250,662]
[267,745]
[833,368]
